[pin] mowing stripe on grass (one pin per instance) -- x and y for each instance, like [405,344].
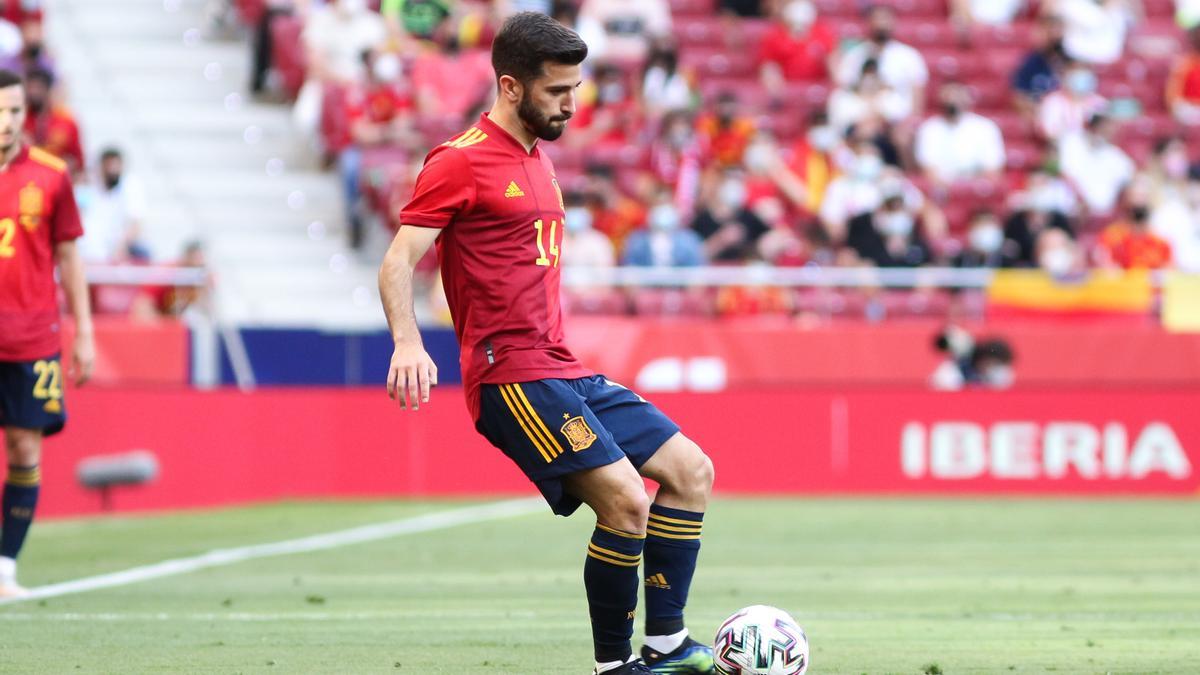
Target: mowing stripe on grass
[439,520]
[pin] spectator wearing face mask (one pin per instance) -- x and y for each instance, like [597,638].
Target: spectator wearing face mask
[1097,168]
[49,126]
[966,362]
[861,189]
[1128,243]
[1058,254]
[1067,110]
[985,245]
[608,113]
[1095,30]
[1183,85]
[810,159]
[888,236]
[380,114]
[1044,205]
[1040,71]
[900,66]
[725,131]
[1166,173]
[869,98]
[114,210]
[729,228]
[665,242]
[797,47]
[957,144]
[583,246]
[676,158]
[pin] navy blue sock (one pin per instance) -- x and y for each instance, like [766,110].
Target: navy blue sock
[610,575]
[672,545]
[19,501]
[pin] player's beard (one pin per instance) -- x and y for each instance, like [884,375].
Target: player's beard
[542,126]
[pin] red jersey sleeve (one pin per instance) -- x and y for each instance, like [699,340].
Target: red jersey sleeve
[64,222]
[445,188]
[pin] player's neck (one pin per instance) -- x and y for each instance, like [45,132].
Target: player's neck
[507,120]
[9,155]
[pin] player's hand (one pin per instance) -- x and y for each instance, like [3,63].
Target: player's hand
[411,375]
[83,357]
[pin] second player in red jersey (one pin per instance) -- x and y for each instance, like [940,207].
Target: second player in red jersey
[500,261]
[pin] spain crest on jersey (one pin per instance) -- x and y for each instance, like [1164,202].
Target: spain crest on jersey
[578,433]
[31,202]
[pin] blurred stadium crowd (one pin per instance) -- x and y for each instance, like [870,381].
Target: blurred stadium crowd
[973,133]
[111,200]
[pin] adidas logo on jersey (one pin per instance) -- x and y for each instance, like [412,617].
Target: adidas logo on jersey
[514,190]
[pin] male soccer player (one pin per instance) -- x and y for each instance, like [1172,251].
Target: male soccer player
[490,200]
[38,227]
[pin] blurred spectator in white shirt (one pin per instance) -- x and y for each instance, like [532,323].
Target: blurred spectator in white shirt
[627,25]
[1065,111]
[868,98]
[113,209]
[335,37]
[957,144]
[901,67]
[1178,222]
[861,189]
[664,87]
[1094,29]
[1098,169]
[987,12]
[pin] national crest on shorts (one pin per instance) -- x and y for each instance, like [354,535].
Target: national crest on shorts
[31,202]
[579,434]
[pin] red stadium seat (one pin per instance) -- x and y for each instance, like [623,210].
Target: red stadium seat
[844,9]
[287,52]
[251,11]
[700,31]
[335,124]
[720,62]
[599,302]
[680,8]
[924,33]
[934,9]
[1015,35]
[671,302]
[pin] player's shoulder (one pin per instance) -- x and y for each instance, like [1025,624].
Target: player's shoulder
[472,139]
[47,160]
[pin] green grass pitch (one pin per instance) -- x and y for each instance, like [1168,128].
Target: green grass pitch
[881,586]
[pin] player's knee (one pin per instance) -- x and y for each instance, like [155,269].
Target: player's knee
[629,509]
[23,449]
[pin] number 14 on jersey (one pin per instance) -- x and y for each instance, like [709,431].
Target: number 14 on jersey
[542,258]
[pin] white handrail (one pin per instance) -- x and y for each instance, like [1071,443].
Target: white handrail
[942,277]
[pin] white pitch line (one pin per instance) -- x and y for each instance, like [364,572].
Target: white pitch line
[321,542]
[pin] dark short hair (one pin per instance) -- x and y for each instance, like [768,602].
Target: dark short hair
[109,153]
[527,40]
[9,79]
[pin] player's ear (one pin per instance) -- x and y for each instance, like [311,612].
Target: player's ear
[511,88]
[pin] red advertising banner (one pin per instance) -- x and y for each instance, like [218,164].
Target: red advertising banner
[705,355]
[227,447]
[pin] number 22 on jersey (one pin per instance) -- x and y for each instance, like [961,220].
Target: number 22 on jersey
[542,259]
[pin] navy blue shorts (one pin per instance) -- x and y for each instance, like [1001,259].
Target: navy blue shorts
[31,395]
[552,428]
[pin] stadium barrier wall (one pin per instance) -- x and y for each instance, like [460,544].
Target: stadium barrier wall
[706,355]
[226,447]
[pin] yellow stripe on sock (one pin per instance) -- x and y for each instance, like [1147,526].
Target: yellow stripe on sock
[538,420]
[535,423]
[667,535]
[612,553]
[672,528]
[676,521]
[613,561]
[619,533]
[521,420]
[22,477]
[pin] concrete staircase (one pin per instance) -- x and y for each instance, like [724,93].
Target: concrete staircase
[151,77]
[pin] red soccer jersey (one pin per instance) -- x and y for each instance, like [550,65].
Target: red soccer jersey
[501,215]
[56,132]
[37,211]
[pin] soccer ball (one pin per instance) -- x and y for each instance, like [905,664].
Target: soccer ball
[761,640]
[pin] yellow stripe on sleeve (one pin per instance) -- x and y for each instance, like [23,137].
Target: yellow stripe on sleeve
[521,420]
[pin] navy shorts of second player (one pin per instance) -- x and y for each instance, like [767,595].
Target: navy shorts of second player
[31,395]
[555,427]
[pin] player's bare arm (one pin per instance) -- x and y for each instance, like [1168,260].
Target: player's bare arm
[411,373]
[74,282]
